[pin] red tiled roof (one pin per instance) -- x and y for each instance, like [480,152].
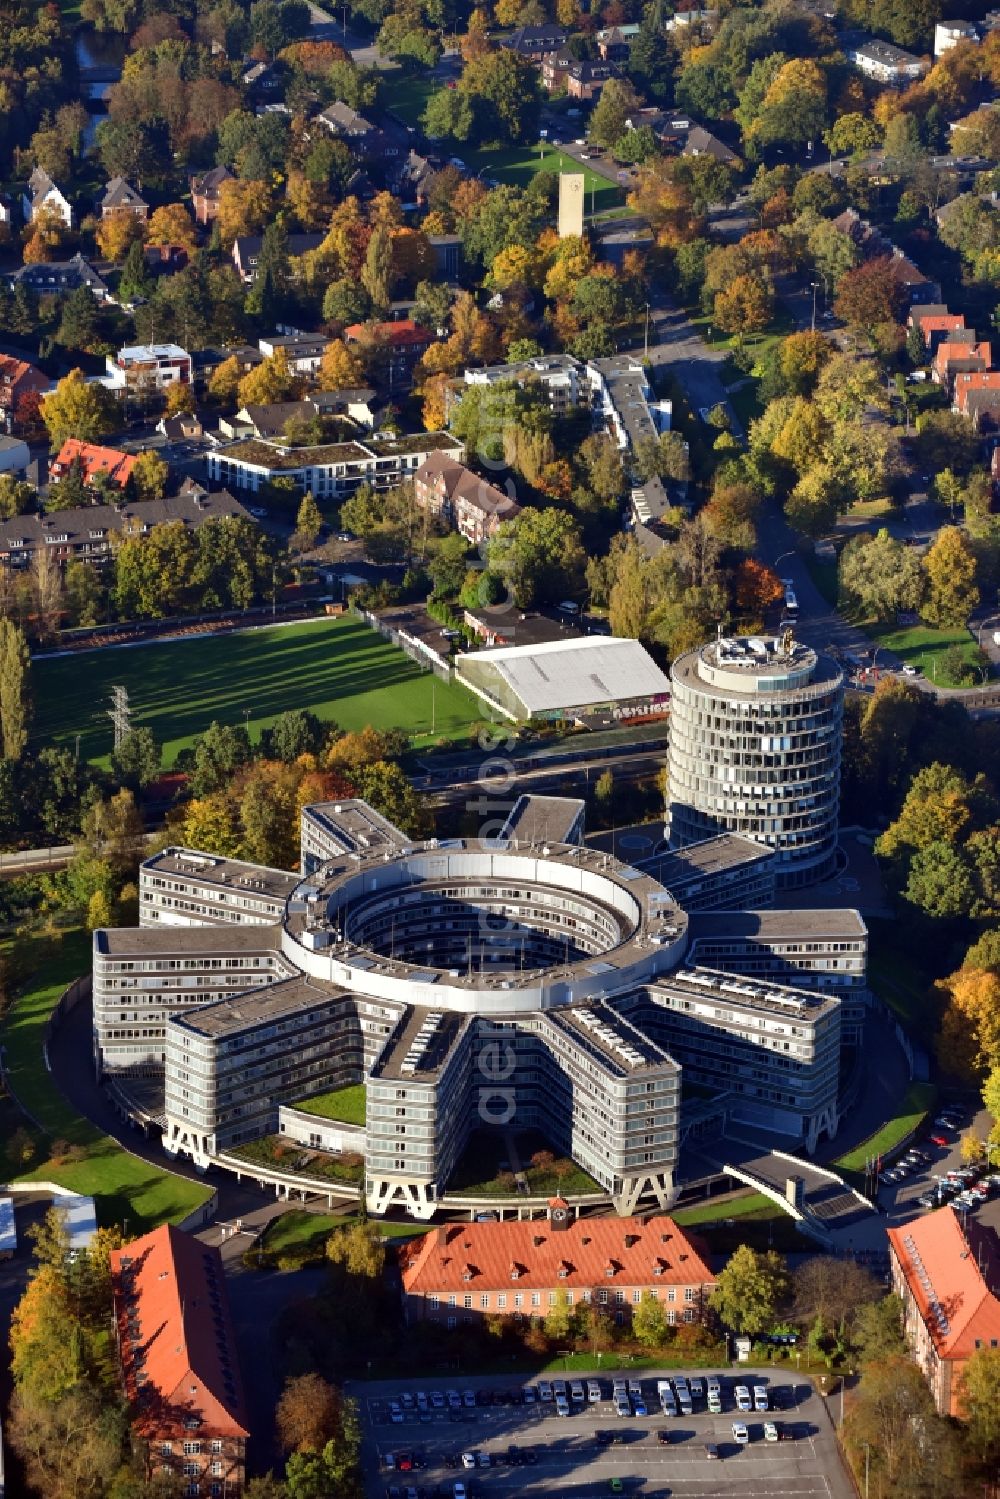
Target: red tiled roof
[970,380]
[480,1255]
[177,1346]
[937,322]
[13,371]
[95,460]
[952,1292]
[401,333]
[957,353]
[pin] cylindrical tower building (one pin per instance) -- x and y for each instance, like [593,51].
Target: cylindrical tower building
[755,731]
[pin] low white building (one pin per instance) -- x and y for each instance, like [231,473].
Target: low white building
[887,63]
[148,367]
[332,469]
[42,196]
[948,34]
[304,351]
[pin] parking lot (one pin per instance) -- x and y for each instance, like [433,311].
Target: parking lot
[592,1451]
[899,1194]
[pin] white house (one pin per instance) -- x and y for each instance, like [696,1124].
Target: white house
[948,34]
[42,194]
[887,63]
[148,366]
[14,455]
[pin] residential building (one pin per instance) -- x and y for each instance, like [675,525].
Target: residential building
[948,1278]
[614,43]
[982,407]
[447,249]
[462,499]
[582,79]
[60,276]
[376,143]
[887,63]
[755,738]
[948,34]
[331,469]
[18,381]
[94,461]
[592,679]
[536,42]
[120,199]
[183,427]
[43,197]
[465,1273]
[701,142]
[246,251]
[353,404]
[179,1366]
[561,380]
[205,193]
[84,533]
[304,351]
[960,353]
[405,343]
[502,625]
[935,323]
[147,367]
[974,391]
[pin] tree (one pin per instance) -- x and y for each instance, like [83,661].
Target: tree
[98,911]
[745,306]
[757,587]
[852,135]
[376,273]
[559,1319]
[749,1289]
[149,476]
[831,1289]
[244,208]
[338,370]
[649,1322]
[114,236]
[617,101]
[390,793]
[295,732]
[879,576]
[448,565]
[306,1414]
[79,325]
[358,1249]
[14,690]
[171,224]
[979,1397]
[541,554]
[136,761]
[894,1436]
[268,382]
[968,1044]
[308,524]
[76,409]
[950,567]
[218,753]
[871,294]
[134,281]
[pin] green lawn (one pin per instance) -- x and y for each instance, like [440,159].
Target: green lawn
[481,1170]
[338,668]
[717,1209]
[345,1104]
[923,647]
[406,94]
[128,1190]
[917,1103]
[517,165]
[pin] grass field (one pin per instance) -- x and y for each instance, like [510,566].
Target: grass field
[923,647]
[406,94]
[338,668]
[716,1209]
[517,165]
[917,1103]
[127,1189]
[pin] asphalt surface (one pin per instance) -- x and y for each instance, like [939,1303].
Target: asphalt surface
[570,1461]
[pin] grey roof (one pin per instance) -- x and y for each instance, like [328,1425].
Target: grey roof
[701,142]
[85,523]
[214,872]
[285,1000]
[543,819]
[192,941]
[574,673]
[121,194]
[773,926]
[718,855]
[66,275]
[345,120]
[208,184]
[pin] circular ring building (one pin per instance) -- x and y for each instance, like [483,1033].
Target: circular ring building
[755,731]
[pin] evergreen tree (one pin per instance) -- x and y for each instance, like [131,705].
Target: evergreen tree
[24,310]
[266,297]
[134,282]
[376,273]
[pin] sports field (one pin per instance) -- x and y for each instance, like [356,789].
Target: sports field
[338,668]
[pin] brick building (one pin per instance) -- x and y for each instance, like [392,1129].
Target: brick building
[177,1355]
[462,1272]
[474,507]
[205,193]
[17,380]
[947,1278]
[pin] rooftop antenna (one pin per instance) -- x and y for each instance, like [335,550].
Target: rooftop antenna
[120,714]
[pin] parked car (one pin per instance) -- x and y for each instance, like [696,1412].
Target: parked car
[740,1433]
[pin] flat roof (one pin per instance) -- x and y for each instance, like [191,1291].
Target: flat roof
[710,856]
[739,992]
[542,819]
[421,1045]
[215,873]
[355,825]
[191,941]
[772,926]
[611,1039]
[273,1002]
[574,673]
